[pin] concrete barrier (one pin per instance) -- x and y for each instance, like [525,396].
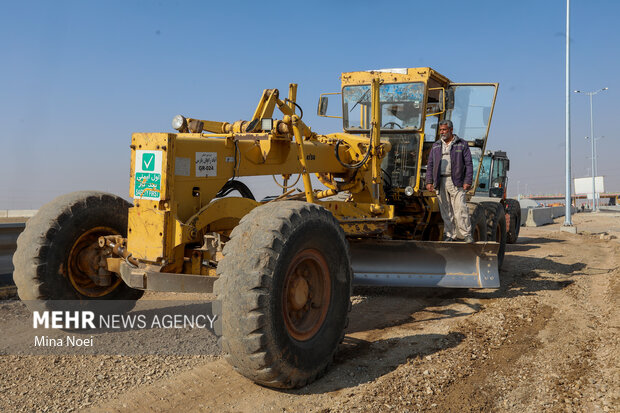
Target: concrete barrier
[613,208]
[558,211]
[17,213]
[539,216]
[8,243]
[543,216]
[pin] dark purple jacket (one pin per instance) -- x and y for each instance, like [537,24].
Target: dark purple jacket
[460,160]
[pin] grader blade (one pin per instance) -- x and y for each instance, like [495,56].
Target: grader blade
[425,264]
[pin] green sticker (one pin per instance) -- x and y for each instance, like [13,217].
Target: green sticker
[146,185]
[148,162]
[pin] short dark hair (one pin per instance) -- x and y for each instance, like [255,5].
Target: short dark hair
[446,122]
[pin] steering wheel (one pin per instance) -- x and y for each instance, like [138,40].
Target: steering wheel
[392,124]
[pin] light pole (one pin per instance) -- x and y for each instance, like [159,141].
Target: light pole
[598,200]
[568,222]
[595,156]
[590,94]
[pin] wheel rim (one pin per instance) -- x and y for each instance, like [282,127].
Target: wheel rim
[79,263]
[306,295]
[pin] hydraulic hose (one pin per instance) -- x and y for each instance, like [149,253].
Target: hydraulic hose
[357,165]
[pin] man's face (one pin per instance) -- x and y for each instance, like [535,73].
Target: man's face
[445,132]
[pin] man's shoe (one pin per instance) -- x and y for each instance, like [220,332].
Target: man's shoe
[469,239]
[448,239]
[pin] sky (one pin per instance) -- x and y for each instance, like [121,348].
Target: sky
[78,77]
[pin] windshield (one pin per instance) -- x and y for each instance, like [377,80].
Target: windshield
[484,171]
[471,112]
[401,106]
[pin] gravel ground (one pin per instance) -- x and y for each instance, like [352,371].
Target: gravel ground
[545,341]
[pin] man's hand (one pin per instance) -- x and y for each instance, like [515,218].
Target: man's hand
[429,187]
[466,186]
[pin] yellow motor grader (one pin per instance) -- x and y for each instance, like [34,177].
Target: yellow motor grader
[282,268]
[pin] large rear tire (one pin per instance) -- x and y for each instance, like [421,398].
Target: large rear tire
[52,249]
[513,209]
[284,293]
[478,222]
[496,227]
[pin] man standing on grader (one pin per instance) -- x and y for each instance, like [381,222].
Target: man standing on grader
[450,174]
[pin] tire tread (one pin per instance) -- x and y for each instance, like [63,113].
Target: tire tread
[246,298]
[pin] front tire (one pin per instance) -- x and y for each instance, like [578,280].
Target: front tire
[52,249]
[284,293]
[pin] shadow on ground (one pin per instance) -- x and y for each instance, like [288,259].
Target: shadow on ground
[356,360]
[383,307]
[537,240]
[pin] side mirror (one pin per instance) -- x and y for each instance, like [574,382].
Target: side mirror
[322,109]
[507,164]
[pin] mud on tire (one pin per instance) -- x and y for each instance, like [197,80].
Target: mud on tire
[283,293]
[43,268]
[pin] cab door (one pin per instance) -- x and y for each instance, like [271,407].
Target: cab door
[498,178]
[470,108]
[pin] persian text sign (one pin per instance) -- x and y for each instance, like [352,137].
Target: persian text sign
[147,175]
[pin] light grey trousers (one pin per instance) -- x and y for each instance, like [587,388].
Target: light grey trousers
[453,207]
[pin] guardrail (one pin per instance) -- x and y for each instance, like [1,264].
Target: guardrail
[8,243]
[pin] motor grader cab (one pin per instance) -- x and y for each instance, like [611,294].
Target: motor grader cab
[282,270]
[493,187]
[493,177]
[412,102]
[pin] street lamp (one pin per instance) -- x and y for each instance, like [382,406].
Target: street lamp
[590,94]
[568,222]
[595,156]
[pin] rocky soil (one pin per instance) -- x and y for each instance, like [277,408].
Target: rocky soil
[547,340]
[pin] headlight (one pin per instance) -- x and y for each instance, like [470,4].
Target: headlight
[178,122]
[409,191]
[266,124]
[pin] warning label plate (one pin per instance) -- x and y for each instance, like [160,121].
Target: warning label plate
[206,164]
